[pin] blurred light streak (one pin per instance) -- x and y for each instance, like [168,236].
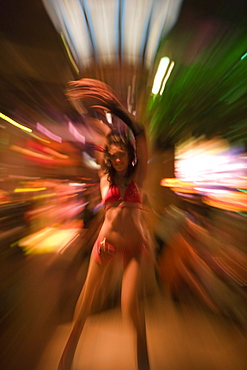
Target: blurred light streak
[40,138]
[163,64]
[211,169]
[230,201]
[119,27]
[243,56]
[108,117]
[25,190]
[68,244]
[208,86]
[55,153]
[48,133]
[30,153]
[146,26]
[90,161]
[69,54]
[112,31]
[166,77]
[20,177]
[75,133]
[242,214]
[100,16]
[176,183]
[44,149]
[83,185]
[214,159]
[48,240]
[14,123]
[44,196]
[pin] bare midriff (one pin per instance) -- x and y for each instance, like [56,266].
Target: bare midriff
[122,225]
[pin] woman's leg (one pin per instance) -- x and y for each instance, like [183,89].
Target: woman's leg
[84,307]
[133,309]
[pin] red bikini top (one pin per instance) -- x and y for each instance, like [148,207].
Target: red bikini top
[131,195]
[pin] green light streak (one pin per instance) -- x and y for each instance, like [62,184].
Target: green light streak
[242,214]
[242,190]
[69,54]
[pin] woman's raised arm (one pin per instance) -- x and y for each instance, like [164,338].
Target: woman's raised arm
[140,137]
[97,94]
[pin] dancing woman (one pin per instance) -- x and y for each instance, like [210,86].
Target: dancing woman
[121,239]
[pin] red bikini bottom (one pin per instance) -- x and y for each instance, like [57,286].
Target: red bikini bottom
[103,247]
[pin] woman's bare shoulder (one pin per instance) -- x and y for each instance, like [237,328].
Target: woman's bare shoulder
[104,180]
[104,185]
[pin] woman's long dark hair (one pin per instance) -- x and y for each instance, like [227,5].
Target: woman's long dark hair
[121,142]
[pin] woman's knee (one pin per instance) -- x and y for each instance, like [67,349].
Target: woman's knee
[131,289]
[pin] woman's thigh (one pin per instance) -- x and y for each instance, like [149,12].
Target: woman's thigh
[132,284]
[92,288]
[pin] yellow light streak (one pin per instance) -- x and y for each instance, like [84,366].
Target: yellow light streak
[14,123]
[42,196]
[39,138]
[27,190]
[69,53]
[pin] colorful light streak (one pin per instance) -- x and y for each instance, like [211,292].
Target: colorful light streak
[213,170]
[243,56]
[229,202]
[166,77]
[48,133]
[48,240]
[30,153]
[112,31]
[40,138]
[55,153]
[14,123]
[69,54]
[28,190]
[74,132]
[163,65]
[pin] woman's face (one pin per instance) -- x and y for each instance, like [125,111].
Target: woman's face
[119,158]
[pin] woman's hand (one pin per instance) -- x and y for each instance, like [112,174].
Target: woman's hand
[96,94]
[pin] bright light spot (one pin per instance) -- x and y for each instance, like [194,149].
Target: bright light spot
[164,62]
[166,77]
[243,56]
